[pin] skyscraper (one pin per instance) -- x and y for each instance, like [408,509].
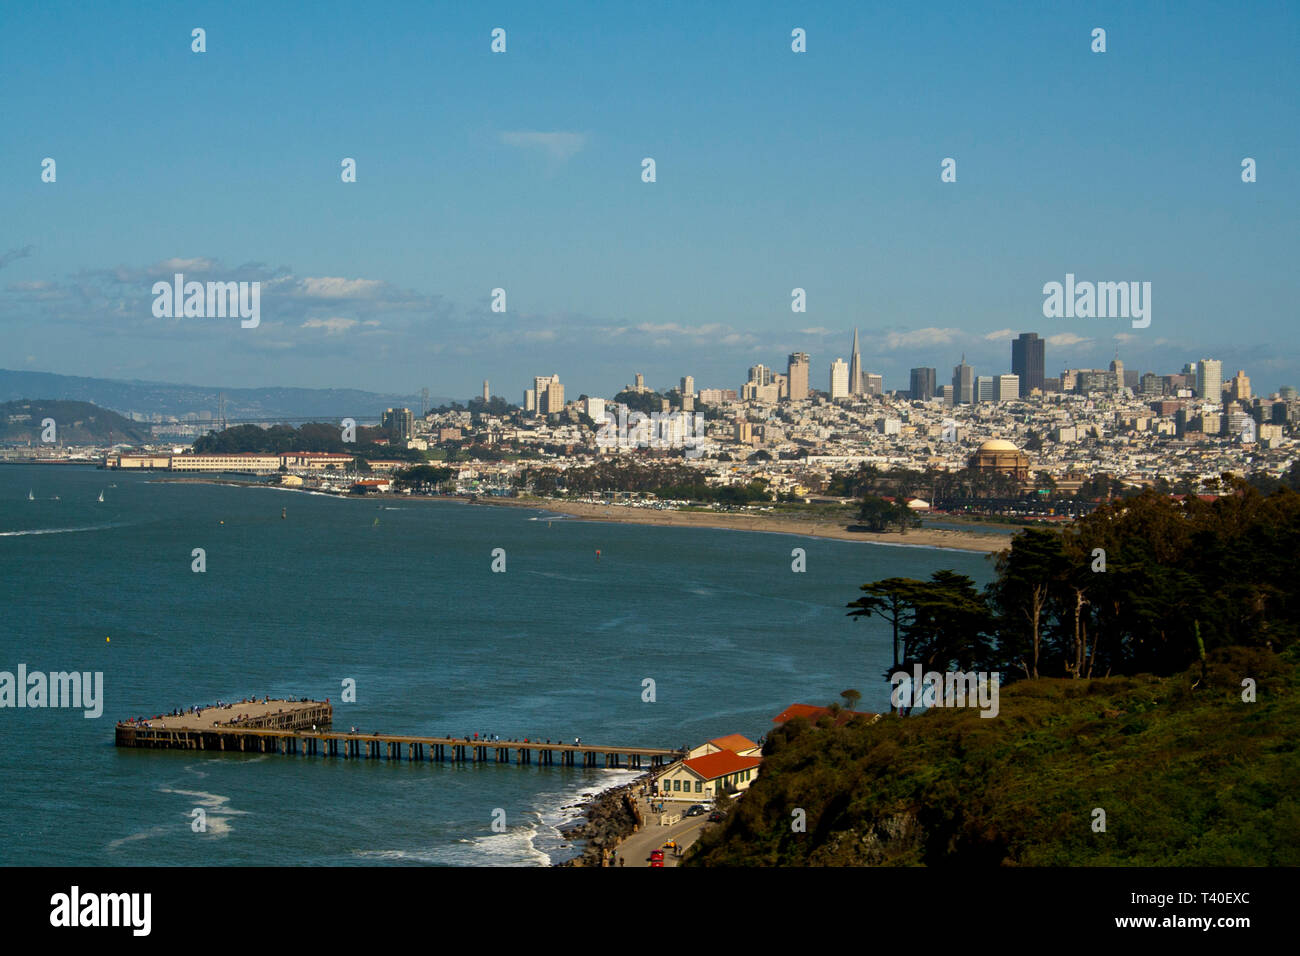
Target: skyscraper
[1027,361]
[963,383]
[1008,388]
[554,397]
[984,388]
[1209,380]
[760,374]
[839,379]
[688,385]
[855,368]
[399,422]
[797,366]
[923,384]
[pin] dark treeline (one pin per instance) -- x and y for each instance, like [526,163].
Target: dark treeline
[1146,584]
[313,437]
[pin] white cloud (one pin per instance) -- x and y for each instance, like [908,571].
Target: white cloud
[1123,338]
[1066,339]
[334,287]
[558,146]
[200,264]
[999,334]
[815,330]
[334,326]
[918,338]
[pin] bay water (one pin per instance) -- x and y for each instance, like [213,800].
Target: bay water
[399,596]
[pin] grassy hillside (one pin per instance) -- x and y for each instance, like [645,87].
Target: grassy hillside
[1187,773]
[77,423]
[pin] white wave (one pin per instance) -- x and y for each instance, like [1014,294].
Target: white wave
[135,837]
[96,527]
[218,813]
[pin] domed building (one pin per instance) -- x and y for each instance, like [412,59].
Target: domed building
[1002,456]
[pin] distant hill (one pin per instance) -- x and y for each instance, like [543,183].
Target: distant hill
[161,398]
[76,423]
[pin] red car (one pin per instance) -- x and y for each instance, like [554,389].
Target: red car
[656,857]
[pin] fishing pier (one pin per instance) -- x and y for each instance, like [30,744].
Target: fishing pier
[302,728]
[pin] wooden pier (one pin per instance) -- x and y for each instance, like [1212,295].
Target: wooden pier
[303,729]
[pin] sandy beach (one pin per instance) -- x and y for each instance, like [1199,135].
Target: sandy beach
[984,542]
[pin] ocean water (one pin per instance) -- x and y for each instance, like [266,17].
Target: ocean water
[399,596]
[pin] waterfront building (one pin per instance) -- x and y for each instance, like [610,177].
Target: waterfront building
[701,778]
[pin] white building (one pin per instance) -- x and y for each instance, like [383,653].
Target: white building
[839,379]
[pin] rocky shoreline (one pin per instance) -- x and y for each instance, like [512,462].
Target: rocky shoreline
[608,818]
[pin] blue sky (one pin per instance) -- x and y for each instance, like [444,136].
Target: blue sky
[522,170]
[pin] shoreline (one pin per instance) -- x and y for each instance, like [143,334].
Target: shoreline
[606,822]
[982,542]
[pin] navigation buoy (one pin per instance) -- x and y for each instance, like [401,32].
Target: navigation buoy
[282,513]
[107,639]
[222,522]
[598,554]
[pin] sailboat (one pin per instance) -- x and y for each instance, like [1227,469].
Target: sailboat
[101,497]
[30,496]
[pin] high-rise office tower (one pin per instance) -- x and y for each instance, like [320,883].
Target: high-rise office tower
[797,366]
[688,385]
[1239,386]
[963,383]
[856,385]
[1027,361]
[873,384]
[1209,380]
[399,422]
[839,379]
[554,397]
[1117,373]
[923,384]
[984,388]
[1008,388]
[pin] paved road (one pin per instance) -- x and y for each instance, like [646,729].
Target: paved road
[686,831]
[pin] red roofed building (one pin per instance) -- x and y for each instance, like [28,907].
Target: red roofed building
[701,778]
[736,743]
[813,714]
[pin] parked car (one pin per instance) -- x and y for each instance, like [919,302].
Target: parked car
[717,816]
[698,810]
